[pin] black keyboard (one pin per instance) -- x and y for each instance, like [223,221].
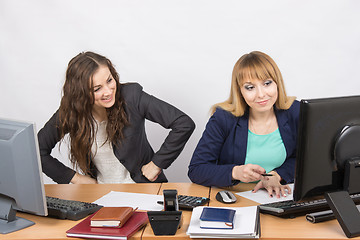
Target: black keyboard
[291,209]
[69,209]
[189,202]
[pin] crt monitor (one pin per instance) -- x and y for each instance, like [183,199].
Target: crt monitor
[328,147]
[21,183]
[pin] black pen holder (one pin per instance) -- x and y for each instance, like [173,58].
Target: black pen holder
[165,222]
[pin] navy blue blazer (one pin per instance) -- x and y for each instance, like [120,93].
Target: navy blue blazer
[224,142]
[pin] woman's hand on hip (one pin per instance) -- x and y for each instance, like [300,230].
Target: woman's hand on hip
[82,179]
[151,171]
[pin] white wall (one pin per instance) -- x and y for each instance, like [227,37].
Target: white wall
[180,51]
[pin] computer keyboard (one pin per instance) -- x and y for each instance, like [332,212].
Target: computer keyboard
[291,209]
[189,202]
[69,209]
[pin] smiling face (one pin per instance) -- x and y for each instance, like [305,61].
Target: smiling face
[260,95]
[104,87]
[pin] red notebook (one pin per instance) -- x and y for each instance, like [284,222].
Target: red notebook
[83,229]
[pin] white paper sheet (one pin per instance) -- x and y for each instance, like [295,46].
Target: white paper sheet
[263,197]
[136,200]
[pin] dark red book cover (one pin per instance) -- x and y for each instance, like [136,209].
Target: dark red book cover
[83,229]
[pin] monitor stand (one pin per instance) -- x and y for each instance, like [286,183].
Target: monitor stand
[345,212]
[8,220]
[347,157]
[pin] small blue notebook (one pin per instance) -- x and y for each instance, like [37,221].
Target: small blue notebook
[219,218]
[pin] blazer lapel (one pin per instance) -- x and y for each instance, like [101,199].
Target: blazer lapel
[241,136]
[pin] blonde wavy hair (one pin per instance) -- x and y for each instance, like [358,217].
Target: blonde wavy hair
[254,65]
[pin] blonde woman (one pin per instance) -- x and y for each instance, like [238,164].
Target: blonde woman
[252,133]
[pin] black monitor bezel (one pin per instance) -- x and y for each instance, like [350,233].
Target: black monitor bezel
[321,118]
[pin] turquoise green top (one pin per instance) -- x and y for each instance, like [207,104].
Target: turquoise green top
[268,150]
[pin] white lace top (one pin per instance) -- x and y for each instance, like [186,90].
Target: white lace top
[110,170]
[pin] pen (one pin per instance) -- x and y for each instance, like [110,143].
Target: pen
[267,174]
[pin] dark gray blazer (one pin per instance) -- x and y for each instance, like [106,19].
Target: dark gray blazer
[135,150]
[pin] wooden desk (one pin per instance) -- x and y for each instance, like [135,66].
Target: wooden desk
[274,228]
[50,228]
[271,227]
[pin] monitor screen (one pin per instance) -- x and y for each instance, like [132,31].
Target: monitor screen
[21,183]
[328,137]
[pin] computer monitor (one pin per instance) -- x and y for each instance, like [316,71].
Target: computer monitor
[21,183]
[328,146]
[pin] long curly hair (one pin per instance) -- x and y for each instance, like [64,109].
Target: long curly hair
[254,65]
[75,112]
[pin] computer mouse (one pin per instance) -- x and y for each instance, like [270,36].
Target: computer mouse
[226,197]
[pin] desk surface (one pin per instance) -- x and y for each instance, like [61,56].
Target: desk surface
[271,227]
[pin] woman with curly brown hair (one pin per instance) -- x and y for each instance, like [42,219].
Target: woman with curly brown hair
[105,122]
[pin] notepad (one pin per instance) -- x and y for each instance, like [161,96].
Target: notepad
[220,218]
[111,217]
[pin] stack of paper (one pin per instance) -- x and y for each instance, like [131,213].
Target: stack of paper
[246,225]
